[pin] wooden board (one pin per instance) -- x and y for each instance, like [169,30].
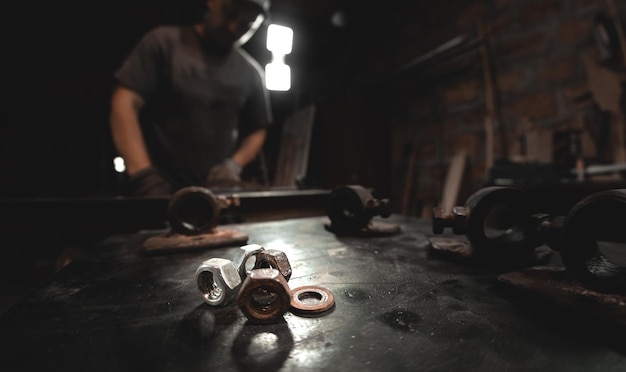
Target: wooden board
[293,156]
[452,185]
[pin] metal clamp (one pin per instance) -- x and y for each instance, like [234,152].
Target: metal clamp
[351,209]
[195,210]
[193,214]
[600,216]
[504,222]
[496,221]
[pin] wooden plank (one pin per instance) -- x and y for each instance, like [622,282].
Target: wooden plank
[539,145]
[605,86]
[493,117]
[452,184]
[293,156]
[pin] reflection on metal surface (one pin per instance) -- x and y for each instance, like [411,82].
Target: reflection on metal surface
[279,244]
[403,319]
[262,347]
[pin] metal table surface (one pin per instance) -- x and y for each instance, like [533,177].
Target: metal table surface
[397,308]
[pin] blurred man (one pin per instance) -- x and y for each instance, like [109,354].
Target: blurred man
[190,105]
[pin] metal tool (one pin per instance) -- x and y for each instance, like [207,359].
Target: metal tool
[504,223]
[351,209]
[600,216]
[195,210]
[193,215]
[496,222]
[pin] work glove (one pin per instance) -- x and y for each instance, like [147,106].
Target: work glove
[226,173]
[148,182]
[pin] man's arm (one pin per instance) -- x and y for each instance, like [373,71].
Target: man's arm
[145,180]
[126,131]
[250,147]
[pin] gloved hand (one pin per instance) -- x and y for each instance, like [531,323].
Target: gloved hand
[227,172]
[149,183]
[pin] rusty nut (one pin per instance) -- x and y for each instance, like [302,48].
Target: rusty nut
[243,254]
[217,280]
[275,259]
[264,296]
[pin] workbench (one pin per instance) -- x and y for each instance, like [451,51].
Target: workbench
[397,307]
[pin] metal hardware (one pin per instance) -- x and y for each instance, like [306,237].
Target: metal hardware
[522,228]
[264,296]
[193,214]
[243,254]
[351,209]
[274,259]
[217,280]
[195,210]
[311,300]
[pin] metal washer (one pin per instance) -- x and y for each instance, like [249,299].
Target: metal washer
[326,300]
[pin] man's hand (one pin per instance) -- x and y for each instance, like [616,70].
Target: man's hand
[149,183]
[228,172]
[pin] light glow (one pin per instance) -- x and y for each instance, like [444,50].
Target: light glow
[118,164]
[277,73]
[277,76]
[279,39]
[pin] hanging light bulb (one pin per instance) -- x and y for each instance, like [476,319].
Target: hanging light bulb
[277,72]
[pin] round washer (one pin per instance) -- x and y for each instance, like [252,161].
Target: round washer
[325,297]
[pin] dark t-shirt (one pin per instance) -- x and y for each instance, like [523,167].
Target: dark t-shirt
[197,102]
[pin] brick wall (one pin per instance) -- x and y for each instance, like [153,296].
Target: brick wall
[538,52]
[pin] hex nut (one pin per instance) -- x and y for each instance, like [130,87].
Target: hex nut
[218,281]
[242,255]
[264,296]
[275,259]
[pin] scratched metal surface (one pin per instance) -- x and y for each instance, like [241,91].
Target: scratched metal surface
[397,308]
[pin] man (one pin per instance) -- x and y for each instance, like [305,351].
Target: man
[190,106]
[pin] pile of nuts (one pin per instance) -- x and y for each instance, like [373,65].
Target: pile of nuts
[263,294]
